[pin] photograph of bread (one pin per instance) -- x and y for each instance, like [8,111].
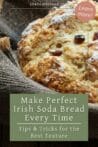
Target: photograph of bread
[61,52]
[46,48]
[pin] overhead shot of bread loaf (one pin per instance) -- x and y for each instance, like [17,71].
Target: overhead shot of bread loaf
[61,52]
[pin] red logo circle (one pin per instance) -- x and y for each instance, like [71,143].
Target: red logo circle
[85,11]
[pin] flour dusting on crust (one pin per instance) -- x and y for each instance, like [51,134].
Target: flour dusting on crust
[61,52]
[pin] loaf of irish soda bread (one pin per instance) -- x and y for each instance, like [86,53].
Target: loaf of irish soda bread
[61,52]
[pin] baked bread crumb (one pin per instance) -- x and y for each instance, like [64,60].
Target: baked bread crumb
[61,52]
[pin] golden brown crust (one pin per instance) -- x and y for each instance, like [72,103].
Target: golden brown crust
[49,53]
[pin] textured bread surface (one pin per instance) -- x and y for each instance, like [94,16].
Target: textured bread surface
[50,53]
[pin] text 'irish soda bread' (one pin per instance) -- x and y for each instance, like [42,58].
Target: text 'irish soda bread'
[61,52]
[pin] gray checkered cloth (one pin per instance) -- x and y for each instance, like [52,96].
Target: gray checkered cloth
[13,80]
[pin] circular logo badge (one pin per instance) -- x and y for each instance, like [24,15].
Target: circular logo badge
[85,11]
